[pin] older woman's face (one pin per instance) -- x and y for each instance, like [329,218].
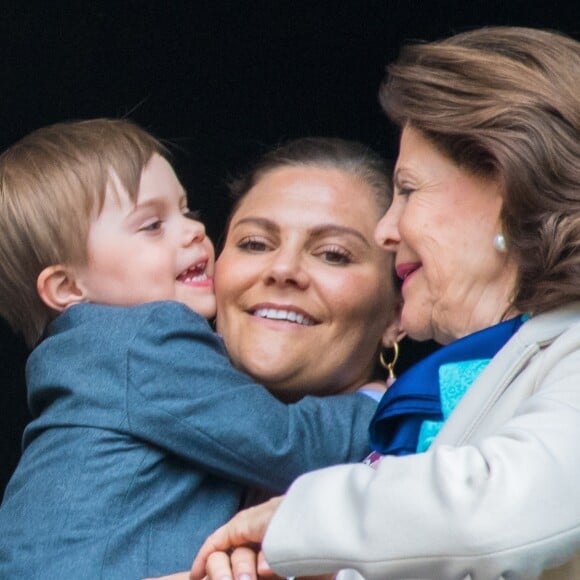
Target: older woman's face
[441,225]
[304,292]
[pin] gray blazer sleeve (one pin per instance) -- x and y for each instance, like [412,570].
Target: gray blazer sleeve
[183,395]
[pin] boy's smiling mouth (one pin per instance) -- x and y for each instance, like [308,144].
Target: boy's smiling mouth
[195,274]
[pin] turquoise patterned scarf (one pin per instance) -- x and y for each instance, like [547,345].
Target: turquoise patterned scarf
[414,408]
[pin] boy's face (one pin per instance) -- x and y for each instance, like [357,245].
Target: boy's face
[151,250]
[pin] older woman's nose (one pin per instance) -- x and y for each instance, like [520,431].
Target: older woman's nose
[286,268]
[387,230]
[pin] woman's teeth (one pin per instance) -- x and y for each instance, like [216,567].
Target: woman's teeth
[288,315]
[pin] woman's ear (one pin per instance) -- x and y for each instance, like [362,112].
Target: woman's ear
[393,332]
[58,288]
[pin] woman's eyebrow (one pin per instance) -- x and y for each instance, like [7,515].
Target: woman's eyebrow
[257,221]
[336,229]
[317,231]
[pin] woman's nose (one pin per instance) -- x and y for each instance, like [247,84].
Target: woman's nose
[286,268]
[387,230]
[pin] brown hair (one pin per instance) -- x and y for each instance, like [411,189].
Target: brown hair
[52,182]
[352,157]
[504,103]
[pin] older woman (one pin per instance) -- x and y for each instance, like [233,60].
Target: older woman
[476,468]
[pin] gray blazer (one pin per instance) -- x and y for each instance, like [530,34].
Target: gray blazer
[496,496]
[144,441]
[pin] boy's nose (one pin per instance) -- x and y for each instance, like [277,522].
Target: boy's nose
[194,231]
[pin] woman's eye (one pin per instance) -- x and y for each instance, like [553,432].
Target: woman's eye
[337,257]
[252,245]
[192,214]
[404,191]
[151,226]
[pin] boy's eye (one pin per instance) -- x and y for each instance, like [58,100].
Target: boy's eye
[151,226]
[192,214]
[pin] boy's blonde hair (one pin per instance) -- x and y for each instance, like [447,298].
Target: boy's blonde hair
[52,185]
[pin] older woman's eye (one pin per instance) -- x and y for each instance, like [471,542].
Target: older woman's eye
[405,191]
[252,245]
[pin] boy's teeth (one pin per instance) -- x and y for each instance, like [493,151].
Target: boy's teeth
[196,274]
[196,278]
[273,314]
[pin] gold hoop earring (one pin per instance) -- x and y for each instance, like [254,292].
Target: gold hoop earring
[390,366]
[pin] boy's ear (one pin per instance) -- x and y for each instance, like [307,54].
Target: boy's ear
[393,332]
[58,288]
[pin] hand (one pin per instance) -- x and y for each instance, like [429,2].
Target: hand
[240,563]
[246,528]
[245,563]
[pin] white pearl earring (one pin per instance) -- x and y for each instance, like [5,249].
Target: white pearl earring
[499,243]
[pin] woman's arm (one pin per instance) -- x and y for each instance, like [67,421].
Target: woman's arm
[504,506]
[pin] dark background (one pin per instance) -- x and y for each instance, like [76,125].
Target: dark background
[222,81]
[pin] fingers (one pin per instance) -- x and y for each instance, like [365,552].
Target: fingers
[249,565]
[244,564]
[246,528]
[240,564]
[263,567]
[219,567]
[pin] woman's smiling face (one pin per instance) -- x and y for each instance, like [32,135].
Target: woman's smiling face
[304,293]
[441,225]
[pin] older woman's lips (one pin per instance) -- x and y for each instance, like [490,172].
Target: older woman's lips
[404,271]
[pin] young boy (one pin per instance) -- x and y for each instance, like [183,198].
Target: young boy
[144,436]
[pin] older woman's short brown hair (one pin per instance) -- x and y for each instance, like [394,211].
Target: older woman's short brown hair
[52,184]
[504,103]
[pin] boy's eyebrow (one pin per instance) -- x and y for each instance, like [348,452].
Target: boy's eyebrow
[156,201]
[151,204]
[319,230]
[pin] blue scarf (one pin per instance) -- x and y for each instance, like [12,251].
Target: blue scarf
[414,408]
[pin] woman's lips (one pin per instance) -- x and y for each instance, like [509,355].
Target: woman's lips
[283,313]
[406,270]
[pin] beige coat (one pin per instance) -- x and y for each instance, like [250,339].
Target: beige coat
[497,496]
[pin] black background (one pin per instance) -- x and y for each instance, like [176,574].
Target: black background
[222,81]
